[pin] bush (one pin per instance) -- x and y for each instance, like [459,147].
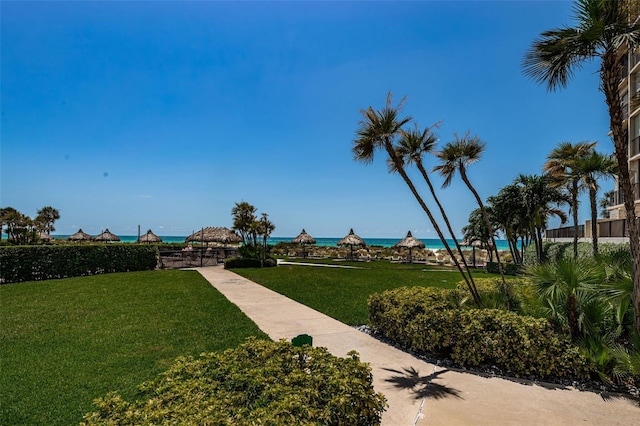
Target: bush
[430,321]
[508,268]
[30,263]
[556,251]
[260,382]
[244,262]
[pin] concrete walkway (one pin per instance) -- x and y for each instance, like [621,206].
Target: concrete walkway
[418,392]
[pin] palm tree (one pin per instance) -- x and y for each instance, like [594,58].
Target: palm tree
[265,228]
[541,200]
[47,216]
[561,166]
[456,156]
[602,28]
[567,289]
[509,212]
[243,218]
[605,202]
[379,130]
[410,149]
[592,167]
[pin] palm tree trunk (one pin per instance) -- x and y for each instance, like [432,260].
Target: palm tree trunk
[487,222]
[446,221]
[593,195]
[573,315]
[610,77]
[574,213]
[414,191]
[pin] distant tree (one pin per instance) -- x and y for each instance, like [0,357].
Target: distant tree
[244,218]
[591,168]
[508,211]
[47,216]
[605,202]
[541,201]
[20,229]
[6,215]
[265,229]
[562,167]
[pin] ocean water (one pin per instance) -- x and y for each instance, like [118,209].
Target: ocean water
[430,243]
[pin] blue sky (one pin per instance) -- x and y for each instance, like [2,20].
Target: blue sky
[164,114]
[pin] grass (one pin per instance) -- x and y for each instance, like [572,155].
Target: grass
[65,342]
[343,293]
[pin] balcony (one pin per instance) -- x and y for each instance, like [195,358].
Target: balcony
[565,232]
[618,197]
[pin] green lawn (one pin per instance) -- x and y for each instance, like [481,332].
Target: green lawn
[343,293]
[65,342]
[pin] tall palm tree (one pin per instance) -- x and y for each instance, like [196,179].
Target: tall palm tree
[379,130]
[561,166]
[457,156]
[591,168]
[410,149]
[602,28]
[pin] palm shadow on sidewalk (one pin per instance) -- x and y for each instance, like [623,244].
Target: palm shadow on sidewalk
[422,386]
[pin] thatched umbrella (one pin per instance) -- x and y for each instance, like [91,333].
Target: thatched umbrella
[106,236]
[80,236]
[352,240]
[303,239]
[473,244]
[149,237]
[43,236]
[214,234]
[409,242]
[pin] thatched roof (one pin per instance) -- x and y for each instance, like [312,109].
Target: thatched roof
[304,238]
[80,236]
[44,236]
[106,236]
[149,237]
[409,242]
[214,234]
[352,240]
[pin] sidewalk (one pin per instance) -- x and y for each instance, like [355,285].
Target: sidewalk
[418,392]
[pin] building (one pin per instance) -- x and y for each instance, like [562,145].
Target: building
[630,94]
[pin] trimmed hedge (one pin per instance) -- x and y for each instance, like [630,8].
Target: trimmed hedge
[31,263]
[555,251]
[260,382]
[430,321]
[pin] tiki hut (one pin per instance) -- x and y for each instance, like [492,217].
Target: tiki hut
[80,236]
[352,240]
[409,242]
[303,239]
[149,237]
[106,236]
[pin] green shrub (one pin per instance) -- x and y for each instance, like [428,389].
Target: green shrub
[432,322]
[31,263]
[554,251]
[245,262]
[260,382]
[507,268]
